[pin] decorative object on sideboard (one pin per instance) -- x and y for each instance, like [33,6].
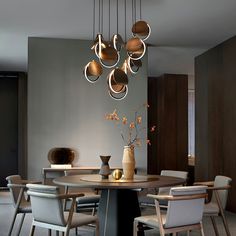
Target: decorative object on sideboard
[105,168]
[61,157]
[108,51]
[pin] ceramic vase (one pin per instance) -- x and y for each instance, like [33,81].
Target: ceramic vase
[105,168]
[128,162]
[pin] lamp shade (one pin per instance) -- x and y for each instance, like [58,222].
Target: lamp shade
[92,69]
[141,29]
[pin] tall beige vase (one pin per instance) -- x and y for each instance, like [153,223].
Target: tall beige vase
[128,162]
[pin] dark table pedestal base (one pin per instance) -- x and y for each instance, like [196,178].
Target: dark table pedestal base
[117,210]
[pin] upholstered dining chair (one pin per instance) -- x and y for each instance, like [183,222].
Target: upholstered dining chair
[146,201]
[184,211]
[48,212]
[17,187]
[217,204]
[88,202]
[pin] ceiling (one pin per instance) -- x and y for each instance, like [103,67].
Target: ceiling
[181,29]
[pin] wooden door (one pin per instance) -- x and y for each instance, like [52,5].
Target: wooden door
[8,127]
[168,111]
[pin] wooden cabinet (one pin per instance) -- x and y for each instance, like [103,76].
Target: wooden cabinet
[215,87]
[168,111]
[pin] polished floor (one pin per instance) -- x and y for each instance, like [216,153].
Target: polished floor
[6,213]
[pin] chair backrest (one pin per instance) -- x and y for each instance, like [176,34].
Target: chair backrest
[185,212]
[221,181]
[15,191]
[46,205]
[173,173]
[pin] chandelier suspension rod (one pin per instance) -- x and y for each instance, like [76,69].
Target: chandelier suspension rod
[125,23]
[109,21]
[117,18]
[140,9]
[99,17]
[132,8]
[102,17]
[93,19]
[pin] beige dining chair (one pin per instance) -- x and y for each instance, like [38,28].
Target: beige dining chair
[184,211]
[217,205]
[90,201]
[17,187]
[48,212]
[145,201]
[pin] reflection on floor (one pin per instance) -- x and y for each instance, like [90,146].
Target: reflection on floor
[6,213]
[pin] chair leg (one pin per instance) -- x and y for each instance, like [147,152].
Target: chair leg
[135,228]
[202,231]
[57,233]
[225,224]
[49,232]
[12,223]
[97,229]
[214,225]
[188,232]
[76,231]
[67,232]
[32,230]
[21,223]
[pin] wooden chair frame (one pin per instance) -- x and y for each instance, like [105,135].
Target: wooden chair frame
[21,185]
[18,210]
[173,230]
[221,213]
[64,229]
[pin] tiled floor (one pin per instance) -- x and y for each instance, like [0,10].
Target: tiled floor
[6,213]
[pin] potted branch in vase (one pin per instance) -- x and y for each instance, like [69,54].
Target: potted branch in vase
[130,133]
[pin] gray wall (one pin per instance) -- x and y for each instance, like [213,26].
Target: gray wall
[64,110]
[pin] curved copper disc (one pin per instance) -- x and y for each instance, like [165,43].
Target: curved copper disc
[117,42]
[96,41]
[114,87]
[109,54]
[141,29]
[94,69]
[91,78]
[134,65]
[120,77]
[134,44]
[119,96]
[138,54]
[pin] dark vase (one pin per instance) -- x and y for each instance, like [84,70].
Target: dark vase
[105,168]
[61,156]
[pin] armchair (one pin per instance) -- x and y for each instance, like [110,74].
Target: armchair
[187,200]
[85,202]
[48,212]
[145,201]
[17,187]
[216,207]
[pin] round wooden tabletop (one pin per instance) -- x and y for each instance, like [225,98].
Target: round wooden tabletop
[139,181]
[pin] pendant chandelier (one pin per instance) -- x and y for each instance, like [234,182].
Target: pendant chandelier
[108,51]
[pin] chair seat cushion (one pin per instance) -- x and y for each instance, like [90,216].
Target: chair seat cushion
[211,208]
[80,219]
[150,220]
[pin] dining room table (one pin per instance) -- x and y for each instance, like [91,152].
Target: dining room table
[118,205]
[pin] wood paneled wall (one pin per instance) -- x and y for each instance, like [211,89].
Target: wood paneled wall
[168,100]
[215,91]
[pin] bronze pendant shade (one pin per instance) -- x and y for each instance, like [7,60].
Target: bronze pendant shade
[108,51]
